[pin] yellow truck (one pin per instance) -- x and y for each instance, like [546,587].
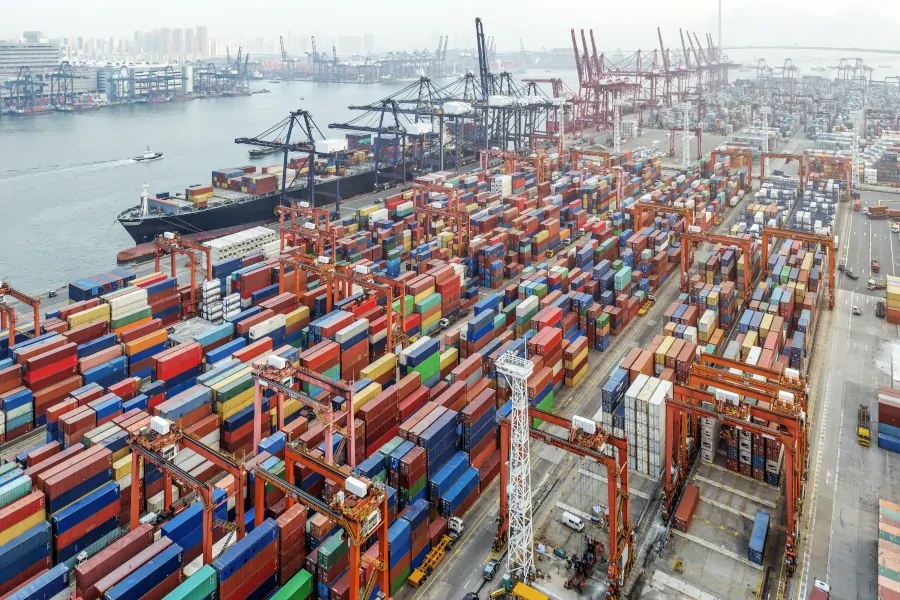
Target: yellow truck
[455,529]
[863,423]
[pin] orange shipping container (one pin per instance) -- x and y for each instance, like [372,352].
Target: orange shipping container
[148,341]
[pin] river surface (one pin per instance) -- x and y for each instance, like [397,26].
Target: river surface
[65,177]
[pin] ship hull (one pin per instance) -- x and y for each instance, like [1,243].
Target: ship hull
[261,209]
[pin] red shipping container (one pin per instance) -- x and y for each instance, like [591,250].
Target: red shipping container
[185,357]
[53,394]
[414,402]
[120,573]
[165,587]
[102,564]
[86,333]
[67,311]
[42,453]
[98,358]
[135,331]
[52,461]
[20,509]
[86,465]
[95,519]
[254,572]
[51,374]
[125,389]
[257,348]
[38,348]
[10,378]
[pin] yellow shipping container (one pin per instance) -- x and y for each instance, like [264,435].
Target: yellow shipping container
[386,363]
[765,325]
[427,322]
[712,300]
[242,400]
[525,592]
[141,280]
[659,356]
[365,211]
[541,236]
[365,395]
[291,406]
[424,294]
[296,315]
[98,313]
[246,371]
[352,228]
[578,358]
[449,357]
[575,380]
[122,467]
[22,526]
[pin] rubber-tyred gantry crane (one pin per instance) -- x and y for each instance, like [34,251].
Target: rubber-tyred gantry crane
[8,313]
[588,445]
[360,518]
[173,244]
[644,205]
[154,447]
[789,234]
[787,158]
[697,131]
[773,405]
[338,282]
[689,240]
[304,222]
[746,160]
[425,210]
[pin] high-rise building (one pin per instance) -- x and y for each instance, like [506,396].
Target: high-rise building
[40,57]
[32,37]
[167,41]
[112,44]
[202,41]
[178,41]
[80,43]
[369,43]
[190,43]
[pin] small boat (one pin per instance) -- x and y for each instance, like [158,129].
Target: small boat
[274,81]
[148,155]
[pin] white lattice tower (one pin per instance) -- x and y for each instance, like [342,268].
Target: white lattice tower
[520,557]
[617,126]
[765,111]
[854,175]
[685,135]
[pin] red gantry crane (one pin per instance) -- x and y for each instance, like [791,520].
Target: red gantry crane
[173,244]
[8,313]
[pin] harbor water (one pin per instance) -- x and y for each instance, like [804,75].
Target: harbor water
[65,177]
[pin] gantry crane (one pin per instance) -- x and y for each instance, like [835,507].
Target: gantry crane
[642,205]
[159,448]
[173,244]
[746,160]
[8,313]
[338,282]
[697,131]
[845,163]
[789,234]
[801,165]
[590,445]
[281,134]
[424,210]
[685,409]
[689,240]
[304,222]
[360,518]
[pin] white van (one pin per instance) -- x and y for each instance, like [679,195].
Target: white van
[572,521]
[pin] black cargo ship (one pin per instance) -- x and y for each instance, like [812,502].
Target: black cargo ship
[228,208]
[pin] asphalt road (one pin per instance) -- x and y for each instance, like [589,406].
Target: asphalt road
[841,519]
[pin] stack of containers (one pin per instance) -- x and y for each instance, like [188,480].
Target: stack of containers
[85,521]
[438,439]
[141,345]
[417,517]
[422,357]
[354,344]
[201,585]
[332,561]
[104,562]
[291,542]
[478,424]
[16,413]
[211,307]
[575,361]
[412,476]
[154,579]
[127,306]
[249,568]
[178,367]
[461,495]
[323,358]
[399,554]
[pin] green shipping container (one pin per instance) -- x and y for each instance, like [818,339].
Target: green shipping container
[410,303]
[14,489]
[298,587]
[545,405]
[429,367]
[132,318]
[331,551]
[238,386]
[4,469]
[500,322]
[428,303]
[390,446]
[196,587]
[398,583]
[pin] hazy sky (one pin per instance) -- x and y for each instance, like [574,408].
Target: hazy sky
[411,23]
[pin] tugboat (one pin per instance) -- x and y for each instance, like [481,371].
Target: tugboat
[148,155]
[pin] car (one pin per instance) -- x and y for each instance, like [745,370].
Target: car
[567,241]
[895,227]
[470,596]
[857,310]
[651,297]
[851,274]
[379,200]
[490,569]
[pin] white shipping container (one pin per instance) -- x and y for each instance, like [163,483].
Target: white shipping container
[266,327]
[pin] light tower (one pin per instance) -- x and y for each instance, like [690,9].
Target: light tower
[765,111]
[854,175]
[520,559]
[617,126]
[685,135]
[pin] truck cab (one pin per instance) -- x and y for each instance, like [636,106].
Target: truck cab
[863,426]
